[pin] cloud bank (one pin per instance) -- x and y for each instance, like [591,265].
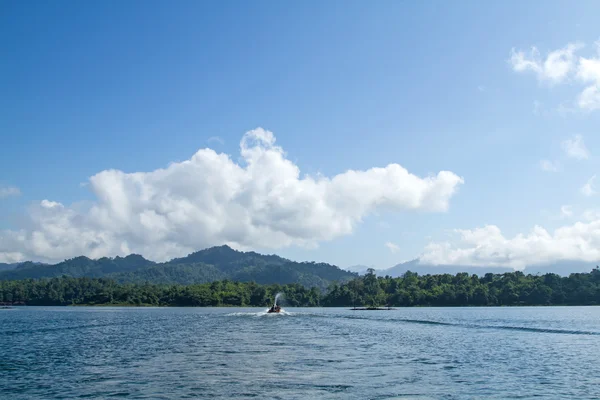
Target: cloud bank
[487,246]
[262,201]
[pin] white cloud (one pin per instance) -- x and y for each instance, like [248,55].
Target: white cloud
[555,68]
[566,211]
[589,99]
[487,246]
[560,66]
[549,166]
[215,139]
[481,88]
[212,200]
[9,191]
[575,148]
[589,72]
[394,248]
[588,189]
[588,69]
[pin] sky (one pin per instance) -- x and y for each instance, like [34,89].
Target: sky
[354,133]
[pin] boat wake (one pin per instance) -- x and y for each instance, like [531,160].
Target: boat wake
[264,313]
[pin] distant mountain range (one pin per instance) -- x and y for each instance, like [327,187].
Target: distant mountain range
[563,268]
[215,263]
[6,267]
[25,264]
[223,262]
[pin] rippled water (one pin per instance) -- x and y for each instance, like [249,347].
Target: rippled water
[422,353]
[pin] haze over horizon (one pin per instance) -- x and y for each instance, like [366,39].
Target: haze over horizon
[454,133]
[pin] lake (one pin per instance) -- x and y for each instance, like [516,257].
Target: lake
[409,353]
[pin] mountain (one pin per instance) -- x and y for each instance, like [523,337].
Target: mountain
[25,264]
[77,267]
[7,267]
[265,269]
[215,263]
[563,268]
[167,273]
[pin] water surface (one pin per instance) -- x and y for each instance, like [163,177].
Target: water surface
[410,353]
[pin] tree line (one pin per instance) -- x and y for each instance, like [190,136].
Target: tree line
[63,291]
[508,289]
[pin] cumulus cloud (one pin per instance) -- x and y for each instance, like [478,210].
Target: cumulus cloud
[562,65]
[392,247]
[487,246]
[575,148]
[261,201]
[9,191]
[549,166]
[588,189]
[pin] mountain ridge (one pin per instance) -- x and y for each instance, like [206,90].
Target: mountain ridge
[207,265]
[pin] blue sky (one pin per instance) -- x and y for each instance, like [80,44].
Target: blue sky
[342,85]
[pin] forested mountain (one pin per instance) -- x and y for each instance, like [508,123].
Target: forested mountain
[77,267]
[212,264]
[7,267]
[25,264]
[182,274]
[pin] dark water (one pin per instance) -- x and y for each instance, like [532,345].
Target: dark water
[426,353]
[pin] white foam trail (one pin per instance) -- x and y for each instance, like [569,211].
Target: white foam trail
[258,314]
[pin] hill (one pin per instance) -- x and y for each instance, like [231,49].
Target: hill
[25,264]
[77,267]
[7,267]
[212,264]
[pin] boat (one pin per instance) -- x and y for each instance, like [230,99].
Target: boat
[274,309]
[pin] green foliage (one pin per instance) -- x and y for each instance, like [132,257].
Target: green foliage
[181,274]
[100,291]
[462,289]
[508,289]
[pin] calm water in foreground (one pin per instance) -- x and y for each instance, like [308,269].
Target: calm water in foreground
[424,353]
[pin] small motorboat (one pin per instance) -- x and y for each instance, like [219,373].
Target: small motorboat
[274,309]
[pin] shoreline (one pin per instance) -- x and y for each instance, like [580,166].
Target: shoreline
[395,308]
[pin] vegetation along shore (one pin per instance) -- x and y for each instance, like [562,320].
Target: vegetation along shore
[508,289]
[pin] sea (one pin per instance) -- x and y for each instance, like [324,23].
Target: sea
[302,353]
